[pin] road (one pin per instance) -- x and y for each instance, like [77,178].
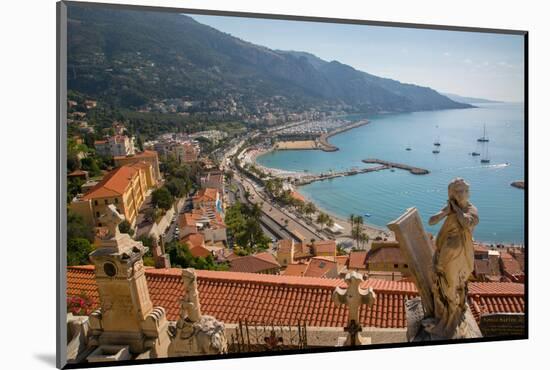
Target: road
[271,228]
[276,216]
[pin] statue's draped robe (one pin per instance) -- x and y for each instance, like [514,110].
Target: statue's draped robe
[453,265]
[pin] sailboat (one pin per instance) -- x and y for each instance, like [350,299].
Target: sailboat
[484,138]
[437,142]
[408,148]
[436,149]
[485,158]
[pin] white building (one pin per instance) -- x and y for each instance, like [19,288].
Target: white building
[113,146]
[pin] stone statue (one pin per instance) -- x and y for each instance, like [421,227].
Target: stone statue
[453,261]
[354,296]
[110,220]
[196,334]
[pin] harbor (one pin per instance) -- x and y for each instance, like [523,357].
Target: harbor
[385,192]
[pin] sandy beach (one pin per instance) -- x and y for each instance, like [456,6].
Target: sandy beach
[296,145]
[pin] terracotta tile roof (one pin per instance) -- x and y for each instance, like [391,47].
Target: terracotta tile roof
[295,269]
[141,164]
[200,251]
[254,263]
[265,256]
[480,248]
[194,240]
[113,184]
[357,259]
[280,299]
[342,261]
[388,254]
[509,264]
[321,267]
[324,246]
[206,195]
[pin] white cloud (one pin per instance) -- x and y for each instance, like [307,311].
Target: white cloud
[447,54]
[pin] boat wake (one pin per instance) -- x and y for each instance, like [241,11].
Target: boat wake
[496,165]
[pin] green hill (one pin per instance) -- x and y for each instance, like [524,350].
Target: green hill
[132,58]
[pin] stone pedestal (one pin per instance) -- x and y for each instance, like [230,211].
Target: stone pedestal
[127,317]
[418,325]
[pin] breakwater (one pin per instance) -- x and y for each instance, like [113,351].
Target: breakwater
[411,169]
[327,176]
[325,146]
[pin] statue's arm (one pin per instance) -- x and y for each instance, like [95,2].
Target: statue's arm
[469,218]
[439,215]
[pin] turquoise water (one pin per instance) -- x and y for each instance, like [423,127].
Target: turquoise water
[385,194]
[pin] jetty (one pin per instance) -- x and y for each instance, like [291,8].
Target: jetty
[382,165]
[411,169]
[325,146]
[332,175]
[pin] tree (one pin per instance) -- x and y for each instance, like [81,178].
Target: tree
[309,208]
[162,198]
[364,239]
[243,222]
[90,164]
[180,255]
[323,219]
[178,187]
[78,250]
[356,228]
[77,228]
[125,228]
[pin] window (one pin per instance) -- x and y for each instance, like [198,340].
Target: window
[97,214]
[395,265]
[95,202]
[116,200]
[405,265]
[106,201]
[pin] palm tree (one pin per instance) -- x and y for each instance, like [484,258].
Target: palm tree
[356,227]
[364,238]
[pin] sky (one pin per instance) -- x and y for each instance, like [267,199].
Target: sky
[471,64]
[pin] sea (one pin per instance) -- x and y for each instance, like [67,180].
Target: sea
[386,194]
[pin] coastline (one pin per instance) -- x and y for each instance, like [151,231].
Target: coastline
[371,229]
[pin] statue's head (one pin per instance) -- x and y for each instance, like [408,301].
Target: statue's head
[459,190]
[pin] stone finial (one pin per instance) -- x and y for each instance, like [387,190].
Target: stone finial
[196,334]
[111,219]
[190,304]
[354,296]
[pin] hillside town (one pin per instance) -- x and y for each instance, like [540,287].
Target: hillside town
[204,224]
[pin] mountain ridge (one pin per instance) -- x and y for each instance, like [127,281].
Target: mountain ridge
[132,58]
